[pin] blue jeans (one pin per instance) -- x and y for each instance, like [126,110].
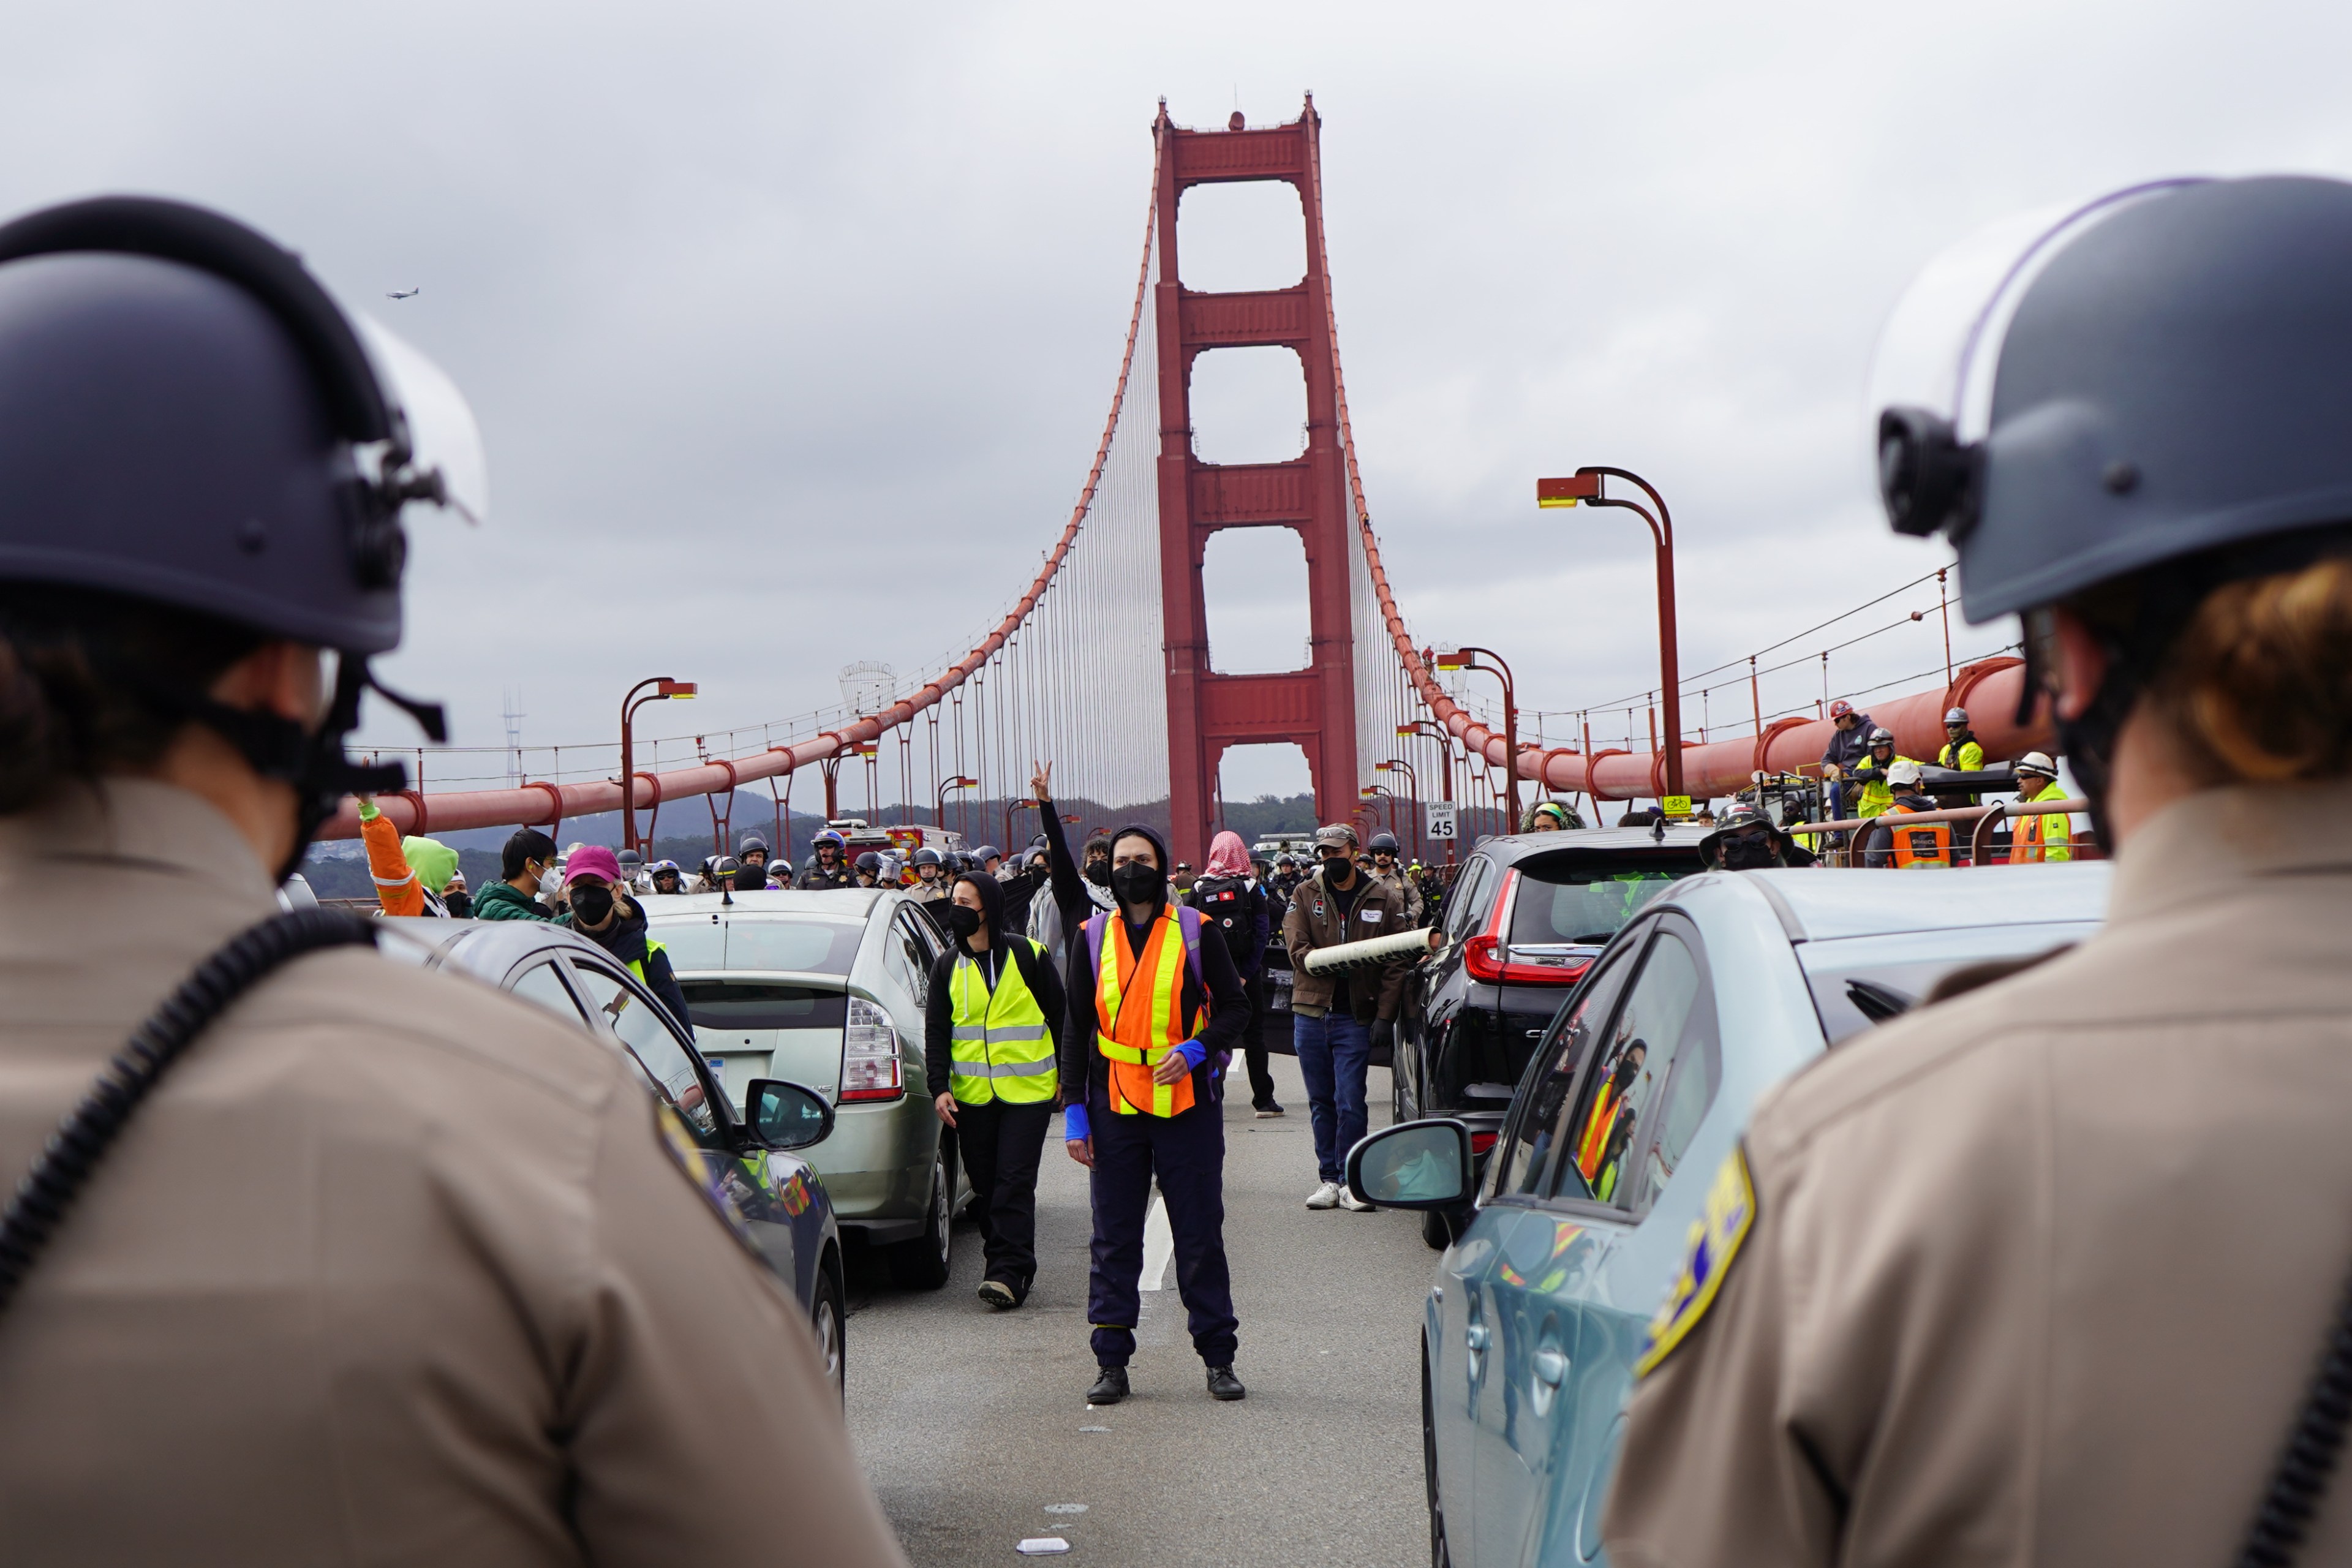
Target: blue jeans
[1334,1051]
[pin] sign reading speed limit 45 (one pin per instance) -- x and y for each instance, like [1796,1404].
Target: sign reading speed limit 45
[1440,819]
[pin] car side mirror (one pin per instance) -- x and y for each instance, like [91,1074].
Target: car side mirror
[783,1115]
[1417,1165]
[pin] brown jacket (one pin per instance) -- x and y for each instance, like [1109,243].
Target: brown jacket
[1315,921]
[2039,1276]
[390,1269]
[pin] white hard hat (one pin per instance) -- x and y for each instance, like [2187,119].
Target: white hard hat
[2036,763]
[1957,715]
[1905,772]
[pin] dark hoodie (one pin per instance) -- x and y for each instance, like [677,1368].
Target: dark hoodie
[1228,1005]
[624,939]
[1036,969]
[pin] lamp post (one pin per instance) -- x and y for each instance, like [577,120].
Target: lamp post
[1412,783]
[1445,760]
[940,802]
[1585,484]
[1375,791]
[664,689]
[1467,658]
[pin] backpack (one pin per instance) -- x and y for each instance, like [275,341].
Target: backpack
[1227,901]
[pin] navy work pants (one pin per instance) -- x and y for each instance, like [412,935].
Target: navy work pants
[1334,1053]
[1187,1152]
[1001,1145]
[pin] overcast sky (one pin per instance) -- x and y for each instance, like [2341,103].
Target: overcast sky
[790,329]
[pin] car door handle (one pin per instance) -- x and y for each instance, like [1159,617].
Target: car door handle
[1475,1336]
[1550,1367]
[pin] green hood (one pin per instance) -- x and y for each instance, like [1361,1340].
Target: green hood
[500,901]
[433,862]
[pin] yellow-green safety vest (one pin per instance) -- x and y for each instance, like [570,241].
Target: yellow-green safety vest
[998,1044]
[2043,839]
[1877,794]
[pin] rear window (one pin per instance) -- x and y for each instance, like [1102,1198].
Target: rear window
[814,945]
[738,1005]
[1586,902]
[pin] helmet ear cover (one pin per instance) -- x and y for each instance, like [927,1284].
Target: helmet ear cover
[1928,480]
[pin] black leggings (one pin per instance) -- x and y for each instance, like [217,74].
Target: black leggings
[1000,1146]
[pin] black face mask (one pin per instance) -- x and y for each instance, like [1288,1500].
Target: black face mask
[1098,873]
[591,904]
[963,921]
[1338,867]
[1039,873]
[1139,883]
[1746,853]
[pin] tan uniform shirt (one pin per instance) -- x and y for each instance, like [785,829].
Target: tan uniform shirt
[391,1269]
[2039,1276]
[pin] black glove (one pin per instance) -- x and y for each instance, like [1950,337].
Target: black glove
[1383,1033]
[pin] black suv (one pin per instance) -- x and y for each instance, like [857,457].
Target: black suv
[1523,922]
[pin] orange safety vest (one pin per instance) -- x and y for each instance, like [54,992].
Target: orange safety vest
[1139,1015]
[1927,845]
[2043,839]
[1595,1144]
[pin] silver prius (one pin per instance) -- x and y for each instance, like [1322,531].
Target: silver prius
[826,988]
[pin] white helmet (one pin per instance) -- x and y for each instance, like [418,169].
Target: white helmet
[2036,763]
[1957,715]
[1905,772]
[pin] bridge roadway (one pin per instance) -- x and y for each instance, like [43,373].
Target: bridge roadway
[974,1425]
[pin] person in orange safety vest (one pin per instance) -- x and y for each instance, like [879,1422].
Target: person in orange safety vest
[409,873]
[1149,1004]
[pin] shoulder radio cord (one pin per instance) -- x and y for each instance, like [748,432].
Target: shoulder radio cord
[2299,1481]
[81,1141]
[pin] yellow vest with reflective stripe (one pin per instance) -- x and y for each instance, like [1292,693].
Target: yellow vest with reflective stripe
[2044,837]
[999,1046]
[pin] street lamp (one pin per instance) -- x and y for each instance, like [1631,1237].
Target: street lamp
[958,782]
[1412,783]
[1445,759]
[664,689]
[1585,484]
[1375,792]
[1467,658]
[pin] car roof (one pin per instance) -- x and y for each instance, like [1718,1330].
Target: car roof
[1508,849]
[852,903]
[1822,904]
[485,948]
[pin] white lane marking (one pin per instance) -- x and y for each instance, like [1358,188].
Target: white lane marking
[1158,1246]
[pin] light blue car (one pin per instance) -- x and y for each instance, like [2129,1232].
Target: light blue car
[1636,1093]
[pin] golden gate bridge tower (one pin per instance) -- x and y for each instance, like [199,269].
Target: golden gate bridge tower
[1314,707]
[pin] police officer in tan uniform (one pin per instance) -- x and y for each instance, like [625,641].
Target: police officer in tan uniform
[387,1267]
[2042,1274]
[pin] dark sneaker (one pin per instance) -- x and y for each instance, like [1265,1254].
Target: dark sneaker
[1111,1386]
[1267,1107]
[999,1295]
[1223,1384]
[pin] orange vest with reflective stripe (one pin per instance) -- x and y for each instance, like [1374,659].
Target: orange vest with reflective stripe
[1139,1015]
[1598,1126]
[1929,844]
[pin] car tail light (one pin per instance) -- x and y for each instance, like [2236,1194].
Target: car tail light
[1544,973]
[1480,1143]
[1479,957]
[869,1054]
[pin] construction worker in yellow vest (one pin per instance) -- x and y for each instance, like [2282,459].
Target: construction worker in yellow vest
[992,1032]
[1870,773]
[2044,837]
[1151,1004]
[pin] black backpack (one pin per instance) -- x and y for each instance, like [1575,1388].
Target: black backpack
[1232,904]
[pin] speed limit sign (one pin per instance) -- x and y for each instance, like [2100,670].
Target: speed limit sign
[1440,819]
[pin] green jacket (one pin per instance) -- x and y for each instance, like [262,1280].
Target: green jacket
[500,901]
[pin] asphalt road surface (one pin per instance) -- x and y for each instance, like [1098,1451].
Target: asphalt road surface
[974,1428]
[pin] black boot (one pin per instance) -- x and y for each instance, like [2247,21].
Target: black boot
[1111,1386]
[1223,1384]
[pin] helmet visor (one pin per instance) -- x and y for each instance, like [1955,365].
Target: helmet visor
[442,434]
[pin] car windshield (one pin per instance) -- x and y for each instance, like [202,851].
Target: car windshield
[730,1005]
[1860,981]
[808,943]
[1588,899]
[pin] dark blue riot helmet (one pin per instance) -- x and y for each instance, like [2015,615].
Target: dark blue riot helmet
[2143,395]
[188,418]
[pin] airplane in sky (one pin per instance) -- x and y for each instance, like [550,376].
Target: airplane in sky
[404,293]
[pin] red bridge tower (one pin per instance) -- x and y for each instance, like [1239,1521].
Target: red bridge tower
[1315,707]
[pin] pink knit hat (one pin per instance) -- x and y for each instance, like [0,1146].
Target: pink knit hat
[593,860]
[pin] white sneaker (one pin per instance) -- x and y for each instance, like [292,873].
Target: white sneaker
[1327,1196]
[1348,1200]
